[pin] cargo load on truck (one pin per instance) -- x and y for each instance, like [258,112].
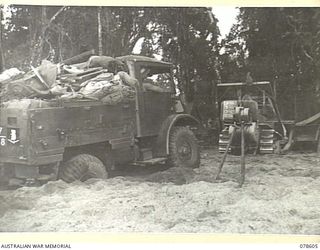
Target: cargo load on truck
[70,82]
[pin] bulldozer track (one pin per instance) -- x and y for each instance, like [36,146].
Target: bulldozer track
[224,138]
[266,140]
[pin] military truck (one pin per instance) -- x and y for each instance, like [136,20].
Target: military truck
[42,140]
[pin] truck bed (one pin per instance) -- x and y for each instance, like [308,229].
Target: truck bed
[38,133]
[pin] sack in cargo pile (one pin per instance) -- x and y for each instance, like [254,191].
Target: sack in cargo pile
[30,85]
[118,93]
[107,88]
[25,87]
[9,74]
[127,79]
[48,71]
[96,88]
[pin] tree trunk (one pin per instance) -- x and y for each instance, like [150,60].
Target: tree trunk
[107,23]
[37,50]
[99,32]
[39,43]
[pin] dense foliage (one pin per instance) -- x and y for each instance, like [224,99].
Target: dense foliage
[187,37]
[281,45]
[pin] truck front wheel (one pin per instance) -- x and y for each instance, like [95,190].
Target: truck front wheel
[82,167]
[183,148]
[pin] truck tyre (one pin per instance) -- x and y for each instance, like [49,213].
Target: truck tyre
[82,167]
[183,148]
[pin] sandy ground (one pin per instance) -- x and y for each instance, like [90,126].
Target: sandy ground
[280,195]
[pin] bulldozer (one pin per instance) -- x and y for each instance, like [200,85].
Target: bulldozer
[253,104]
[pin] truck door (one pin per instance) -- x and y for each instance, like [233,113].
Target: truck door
[155,97]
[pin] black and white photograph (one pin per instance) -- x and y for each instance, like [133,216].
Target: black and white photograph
[133,119]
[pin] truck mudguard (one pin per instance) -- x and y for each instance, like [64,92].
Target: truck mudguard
[164,133]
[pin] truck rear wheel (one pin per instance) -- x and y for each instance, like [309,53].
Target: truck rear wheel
[183,148]
[82,167]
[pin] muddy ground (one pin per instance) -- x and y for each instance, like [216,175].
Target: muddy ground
[280,195]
